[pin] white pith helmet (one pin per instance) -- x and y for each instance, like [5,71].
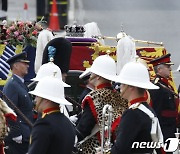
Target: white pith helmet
[51,88]
[103,66]
[49,69]
[135,74]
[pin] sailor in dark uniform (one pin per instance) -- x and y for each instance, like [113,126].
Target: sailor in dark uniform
[102,71]
[136,122]
[164,100]
[88,88]
[15,89]
[52,133]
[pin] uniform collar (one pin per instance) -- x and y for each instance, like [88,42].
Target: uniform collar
[138,100]
[163,80]
[50,110]
[104,85]
[20,78]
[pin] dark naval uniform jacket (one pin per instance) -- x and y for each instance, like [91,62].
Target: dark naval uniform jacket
[135,126]
[53,133]
[17,92]
[164,104]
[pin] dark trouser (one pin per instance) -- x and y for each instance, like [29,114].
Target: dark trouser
[16,148]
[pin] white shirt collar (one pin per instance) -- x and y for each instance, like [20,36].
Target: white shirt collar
[20,78]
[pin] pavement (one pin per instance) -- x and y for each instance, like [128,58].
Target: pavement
[16,10]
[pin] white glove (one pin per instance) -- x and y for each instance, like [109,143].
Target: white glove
[18,139]
[73,118]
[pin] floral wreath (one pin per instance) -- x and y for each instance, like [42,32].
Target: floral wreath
[20,33]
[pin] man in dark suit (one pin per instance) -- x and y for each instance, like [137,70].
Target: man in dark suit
[164,100]
[18,139]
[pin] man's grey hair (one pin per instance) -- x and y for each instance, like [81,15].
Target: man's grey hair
[157,67]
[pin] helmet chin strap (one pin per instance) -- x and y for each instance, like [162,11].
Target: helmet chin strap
[37,106]
[92,77]
[125,88]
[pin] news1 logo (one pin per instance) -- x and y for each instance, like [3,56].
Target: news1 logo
[171,144]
